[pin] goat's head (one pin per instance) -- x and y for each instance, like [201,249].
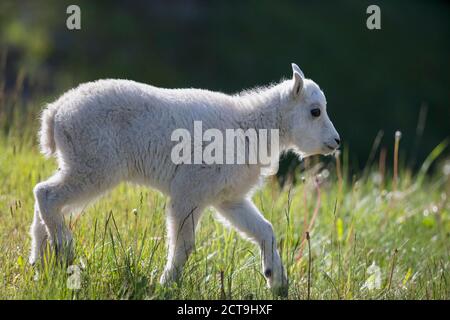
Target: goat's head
[309,129]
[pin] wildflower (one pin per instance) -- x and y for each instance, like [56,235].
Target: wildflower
[377,178]
[374,279]
[446,168]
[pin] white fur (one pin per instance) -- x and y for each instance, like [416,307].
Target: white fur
[109,131]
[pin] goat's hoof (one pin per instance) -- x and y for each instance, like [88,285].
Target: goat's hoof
[169,277]
[278,283]
[281,291]
[32,259]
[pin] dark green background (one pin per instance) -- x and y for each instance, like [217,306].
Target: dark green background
[373,80]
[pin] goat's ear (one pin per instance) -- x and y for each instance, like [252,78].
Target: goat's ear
[297,80]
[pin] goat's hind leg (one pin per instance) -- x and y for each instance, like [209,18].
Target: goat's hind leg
[39,237]
[58,192]
[50,196]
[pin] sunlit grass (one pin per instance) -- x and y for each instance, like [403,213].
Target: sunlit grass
[367,241]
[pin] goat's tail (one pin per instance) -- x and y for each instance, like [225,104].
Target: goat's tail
[46,133]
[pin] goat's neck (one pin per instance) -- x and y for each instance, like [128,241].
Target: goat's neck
[263,110]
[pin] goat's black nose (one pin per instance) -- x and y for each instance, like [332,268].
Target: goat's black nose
[338,141]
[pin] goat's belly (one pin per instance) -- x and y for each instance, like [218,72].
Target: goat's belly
[239,183]
[151,169]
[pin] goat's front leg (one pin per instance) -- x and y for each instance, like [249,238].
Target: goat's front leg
[247,219]
[181,224]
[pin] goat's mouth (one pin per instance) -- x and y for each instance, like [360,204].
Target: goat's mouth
[330,149]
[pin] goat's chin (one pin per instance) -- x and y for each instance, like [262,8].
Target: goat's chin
[321,151]
[300,154]
[328,152]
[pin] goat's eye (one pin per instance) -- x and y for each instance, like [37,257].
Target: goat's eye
[315,112]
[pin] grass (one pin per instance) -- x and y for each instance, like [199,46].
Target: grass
[365,240]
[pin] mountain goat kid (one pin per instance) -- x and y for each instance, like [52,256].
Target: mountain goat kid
[109,131]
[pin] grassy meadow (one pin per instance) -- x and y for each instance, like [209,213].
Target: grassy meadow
[381,234]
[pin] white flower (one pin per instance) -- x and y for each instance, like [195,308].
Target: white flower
[374,279]
[377,178]
[446,168]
